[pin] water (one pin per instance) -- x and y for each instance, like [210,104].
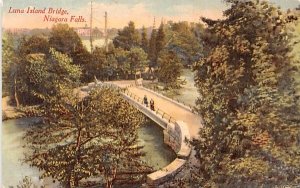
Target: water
[13,170]
[158,154]
[188,93]
[96,43]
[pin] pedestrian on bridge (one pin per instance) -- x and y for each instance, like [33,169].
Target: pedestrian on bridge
[152,104]
[146,101]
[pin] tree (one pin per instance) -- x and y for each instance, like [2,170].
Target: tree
[152,48]
[169,69]
[160,39]
[185,40]
[144,40]
[41,77]
[127,38]
[9,67]
[247,100]
[137,59]
[17,70]
[65,40]
[97,65]
[90,137]
[32,45]
[123,66]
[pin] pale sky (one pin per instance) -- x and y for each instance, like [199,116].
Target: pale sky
[120,12]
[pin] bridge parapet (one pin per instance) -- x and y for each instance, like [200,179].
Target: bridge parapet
[173,100]
[175,134]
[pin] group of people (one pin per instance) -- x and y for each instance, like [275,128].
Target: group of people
[151,103]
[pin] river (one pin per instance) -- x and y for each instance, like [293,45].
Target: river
[151,136]
[96,43]
[188,93]
[158,154]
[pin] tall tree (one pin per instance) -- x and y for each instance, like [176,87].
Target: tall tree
[40,76]
[144,40]
[160,39]
[169,69]
[121,56]
[185,40]
[32,45]
[247,100]
[152,48]
[90,137]
[127,38]
[97,65]
[65,40]
[9,67]
[137,59]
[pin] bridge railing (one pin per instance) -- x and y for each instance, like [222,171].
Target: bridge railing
[134,96]
[157,111]
[164,115]
[158,91]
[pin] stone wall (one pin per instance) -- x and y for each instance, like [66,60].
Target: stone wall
[156,178]
[175,135]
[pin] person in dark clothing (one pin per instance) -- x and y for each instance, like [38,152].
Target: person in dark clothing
[152,104]
[146,101]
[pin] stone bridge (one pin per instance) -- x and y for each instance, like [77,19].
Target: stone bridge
[179,122]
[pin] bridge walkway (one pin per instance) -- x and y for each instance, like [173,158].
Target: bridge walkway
[193,121]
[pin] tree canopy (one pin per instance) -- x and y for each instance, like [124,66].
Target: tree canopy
[90,137]
[247,100]
[127,38]
[40,77]
[144,40]
[65,40]
[169,69]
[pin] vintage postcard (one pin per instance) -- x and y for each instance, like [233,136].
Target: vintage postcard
[149,93]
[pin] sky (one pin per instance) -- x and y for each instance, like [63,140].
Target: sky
[120,12]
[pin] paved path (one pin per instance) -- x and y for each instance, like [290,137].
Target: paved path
[193,121]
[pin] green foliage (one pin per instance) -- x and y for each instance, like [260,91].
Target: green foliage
[32,45]
[137,59]
[65,40]
[127,38]
[169,69]
[41,77]
[97,64]
[185,40]
[247,99]
[144,40]
[9,61]
[160,39]
[152,48]
[156,44]
[90,137]
[117,63]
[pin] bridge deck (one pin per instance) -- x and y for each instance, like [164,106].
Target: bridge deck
[193,121]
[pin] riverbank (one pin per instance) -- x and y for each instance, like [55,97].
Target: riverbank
[10,111]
